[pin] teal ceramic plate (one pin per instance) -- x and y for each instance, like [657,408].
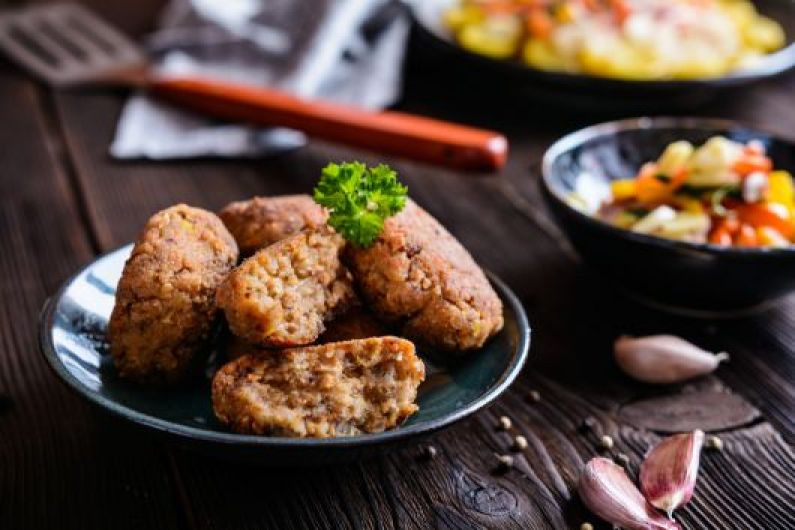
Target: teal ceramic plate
[72,338]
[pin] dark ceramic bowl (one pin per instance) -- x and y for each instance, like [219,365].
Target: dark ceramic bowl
[588,92]
[72,338]
[701,279]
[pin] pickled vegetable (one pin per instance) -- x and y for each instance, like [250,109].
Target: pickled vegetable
[724,193]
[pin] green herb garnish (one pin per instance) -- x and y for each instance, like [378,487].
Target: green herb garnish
[360,199]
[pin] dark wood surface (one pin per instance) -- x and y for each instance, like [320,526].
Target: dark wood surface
[65,465]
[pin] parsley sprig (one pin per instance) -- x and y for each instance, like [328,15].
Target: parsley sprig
[360,199]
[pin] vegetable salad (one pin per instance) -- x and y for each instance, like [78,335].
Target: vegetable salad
[723,192]
[629,39]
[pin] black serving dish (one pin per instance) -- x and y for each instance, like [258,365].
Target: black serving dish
[579,92]
[698,279]
[72,339]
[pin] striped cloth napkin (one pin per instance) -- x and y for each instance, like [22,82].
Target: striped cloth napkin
[348,51]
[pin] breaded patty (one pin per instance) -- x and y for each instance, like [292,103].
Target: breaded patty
[282,295]
[165,300]
[357,323]
[262,221]
[337,389]
[418,275]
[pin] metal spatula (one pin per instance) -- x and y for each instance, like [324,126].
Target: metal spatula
[68,46]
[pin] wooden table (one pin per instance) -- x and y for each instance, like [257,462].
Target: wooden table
[64,464]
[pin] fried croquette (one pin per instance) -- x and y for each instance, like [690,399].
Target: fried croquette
[356,323]
[282,295]
[165,301]
[416,274]
[337,389]
[262,221]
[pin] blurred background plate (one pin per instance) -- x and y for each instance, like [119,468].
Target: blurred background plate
[72,338]
[433,44]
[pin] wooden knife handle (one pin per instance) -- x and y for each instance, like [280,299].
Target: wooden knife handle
[415,137]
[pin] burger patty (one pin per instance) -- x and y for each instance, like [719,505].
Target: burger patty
[282,295]
[416,274]
[165,300]
[337,389]
[262,221]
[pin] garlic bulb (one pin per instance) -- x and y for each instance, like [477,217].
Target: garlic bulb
[668,473]
[609,493]
[664,359]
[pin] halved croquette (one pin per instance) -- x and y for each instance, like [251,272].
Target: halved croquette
[336,389]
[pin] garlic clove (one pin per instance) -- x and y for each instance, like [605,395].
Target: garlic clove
[609,493]
[664,359]
[668,473]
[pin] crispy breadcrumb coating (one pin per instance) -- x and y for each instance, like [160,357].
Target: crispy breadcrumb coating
[356,323]
[165,301]
[282,295]
[418,275]
[262,221]
[337,389]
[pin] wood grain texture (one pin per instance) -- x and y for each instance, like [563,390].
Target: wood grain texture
[575,316]
[61,463]
[460,488]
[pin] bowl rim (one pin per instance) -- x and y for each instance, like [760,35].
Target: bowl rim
[610,128]
[770,65]
[506,378]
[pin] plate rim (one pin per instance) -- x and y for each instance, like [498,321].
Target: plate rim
[194,434]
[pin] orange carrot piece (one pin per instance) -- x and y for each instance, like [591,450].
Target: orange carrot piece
[746,237]
[767,214]
[749,163]
[650,189]
[723,231]
[678,178]
[721,238]
[539,23]
[621,9]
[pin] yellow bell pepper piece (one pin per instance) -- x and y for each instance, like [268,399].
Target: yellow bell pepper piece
[456,18]
[688,204]
[496,37]
[741,12]
[542,55]
[565,13]
[616,59]
[675,157]
[764,34]
[781,189]
[623,189]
